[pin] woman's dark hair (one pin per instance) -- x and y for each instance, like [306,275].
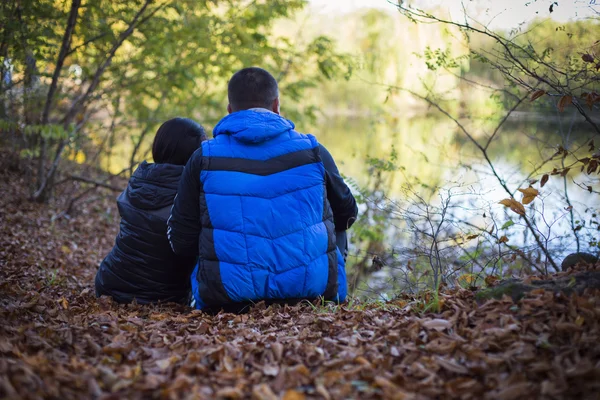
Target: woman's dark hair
[176,140]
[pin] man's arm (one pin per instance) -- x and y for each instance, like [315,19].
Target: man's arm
[339,195]
[184,223]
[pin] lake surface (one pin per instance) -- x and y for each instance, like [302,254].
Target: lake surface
[431,153]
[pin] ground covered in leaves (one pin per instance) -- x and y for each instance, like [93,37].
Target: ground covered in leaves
[58,341]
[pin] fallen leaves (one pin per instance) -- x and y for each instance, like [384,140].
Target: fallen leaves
[263,392]
[58,341]
[437,324]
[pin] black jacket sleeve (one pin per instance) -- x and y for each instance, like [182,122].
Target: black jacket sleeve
[339,195]
[184,223]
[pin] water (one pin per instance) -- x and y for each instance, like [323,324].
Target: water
[434,158]
[432,150]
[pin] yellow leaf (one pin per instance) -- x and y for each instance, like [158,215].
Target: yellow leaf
[579,321]
[467,279]
[491,279]
[80,157]
[65,249]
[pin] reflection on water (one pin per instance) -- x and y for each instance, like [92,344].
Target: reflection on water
[432,149]
[434,152]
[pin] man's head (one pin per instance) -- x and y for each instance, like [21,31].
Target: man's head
[253,88]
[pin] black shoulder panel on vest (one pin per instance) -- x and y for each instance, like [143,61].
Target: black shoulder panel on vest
[263,167]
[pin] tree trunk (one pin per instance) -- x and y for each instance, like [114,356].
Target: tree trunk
[42,193]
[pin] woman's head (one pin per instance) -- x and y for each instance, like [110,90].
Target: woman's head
[176,140]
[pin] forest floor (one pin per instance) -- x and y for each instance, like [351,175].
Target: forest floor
[57,340]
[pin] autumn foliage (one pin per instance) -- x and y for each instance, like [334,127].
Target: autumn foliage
[58,341]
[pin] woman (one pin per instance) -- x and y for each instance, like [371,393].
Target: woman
[141,265]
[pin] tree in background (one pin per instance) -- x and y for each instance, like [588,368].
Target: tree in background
[83,78]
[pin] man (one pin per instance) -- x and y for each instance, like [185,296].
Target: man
[260,205]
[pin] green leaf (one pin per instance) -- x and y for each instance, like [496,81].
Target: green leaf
[507,224]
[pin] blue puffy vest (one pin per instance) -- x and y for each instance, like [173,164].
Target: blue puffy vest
[267,227]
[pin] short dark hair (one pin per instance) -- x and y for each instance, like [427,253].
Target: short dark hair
[176,140]
[252,88]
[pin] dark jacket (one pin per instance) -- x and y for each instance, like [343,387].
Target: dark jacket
[142,265]
[254,203]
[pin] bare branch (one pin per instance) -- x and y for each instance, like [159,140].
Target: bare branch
[95,183]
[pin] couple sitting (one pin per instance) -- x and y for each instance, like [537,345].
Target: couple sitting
[257,213]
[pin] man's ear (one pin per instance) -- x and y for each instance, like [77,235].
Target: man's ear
[275,107]
[229,109]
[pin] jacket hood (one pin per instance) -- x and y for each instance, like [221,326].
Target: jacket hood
[256,125]
[153,186]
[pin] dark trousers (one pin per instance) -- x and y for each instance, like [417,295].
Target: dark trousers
[341,241]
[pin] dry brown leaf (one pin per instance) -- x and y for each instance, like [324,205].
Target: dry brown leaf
[277,350]
[518,390]
[587,58]
[451,366]
[437,324]
[564,101]
[293,395]
[529,194]
[537,94]
[529,191]
[263,392]
[514,205]
[544,180]
[301,369]
[322,390]
[362,361]
[64,303]
[164,364]
[271,370]
[230,393]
